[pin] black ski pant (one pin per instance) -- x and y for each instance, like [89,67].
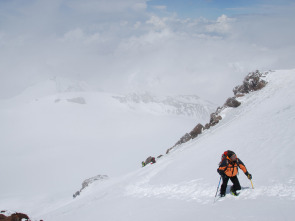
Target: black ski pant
[234,180]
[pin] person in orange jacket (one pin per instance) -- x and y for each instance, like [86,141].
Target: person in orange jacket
[228,169]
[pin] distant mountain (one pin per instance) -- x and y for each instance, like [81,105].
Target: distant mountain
[54,86]
[60,122]
[68,90]
[62,89]
[186,105]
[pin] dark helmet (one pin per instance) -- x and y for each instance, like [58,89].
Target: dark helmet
[231,155]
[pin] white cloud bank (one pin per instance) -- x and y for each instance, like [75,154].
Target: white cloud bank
[120,46]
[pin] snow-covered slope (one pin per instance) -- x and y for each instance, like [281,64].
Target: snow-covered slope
[57,134]
[182,184]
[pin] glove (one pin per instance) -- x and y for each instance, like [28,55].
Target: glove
[248,175]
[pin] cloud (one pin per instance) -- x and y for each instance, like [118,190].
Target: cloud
[222,25]
[160,7]
[106,6]
[121,46]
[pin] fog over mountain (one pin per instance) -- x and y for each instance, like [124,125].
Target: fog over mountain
[139,45]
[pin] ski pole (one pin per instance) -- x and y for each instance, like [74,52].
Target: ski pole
[217,189]
[252,184]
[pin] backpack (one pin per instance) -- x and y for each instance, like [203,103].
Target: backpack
[223,157]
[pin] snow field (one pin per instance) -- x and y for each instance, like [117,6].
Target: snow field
[182,184]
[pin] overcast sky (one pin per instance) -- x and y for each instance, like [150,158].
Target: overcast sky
[202,47]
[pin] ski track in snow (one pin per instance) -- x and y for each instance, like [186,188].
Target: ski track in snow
[197,190]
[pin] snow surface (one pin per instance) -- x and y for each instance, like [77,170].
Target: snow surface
[180,186]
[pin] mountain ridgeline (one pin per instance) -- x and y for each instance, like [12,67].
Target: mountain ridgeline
[252,82]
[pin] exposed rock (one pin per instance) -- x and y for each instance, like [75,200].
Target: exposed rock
[76,194]
[214,119]
[252,82]
[168,150]
[87,182]
[240,95]
[196,131]
[150,159]
[232,102]
[13,216]
[93,179]
[78,100]
[207,126]
[184,139]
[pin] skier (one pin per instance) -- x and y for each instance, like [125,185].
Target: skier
[228,169]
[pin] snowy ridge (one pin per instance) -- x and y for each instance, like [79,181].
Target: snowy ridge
[182,184]
[178,186]
[188,105]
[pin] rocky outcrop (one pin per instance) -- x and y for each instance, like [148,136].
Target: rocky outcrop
[184,139]
[13,216]
[232,102]
[214,119]
[77,100]
[196,131]
[150,159]
[252,82]
[87,182]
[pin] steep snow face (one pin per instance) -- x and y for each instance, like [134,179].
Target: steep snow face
[182,184]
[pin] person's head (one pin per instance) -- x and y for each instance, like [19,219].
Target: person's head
[231,155]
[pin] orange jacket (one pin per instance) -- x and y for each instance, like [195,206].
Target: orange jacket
[230,168]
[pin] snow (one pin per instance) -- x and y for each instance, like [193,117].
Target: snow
[181,185]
